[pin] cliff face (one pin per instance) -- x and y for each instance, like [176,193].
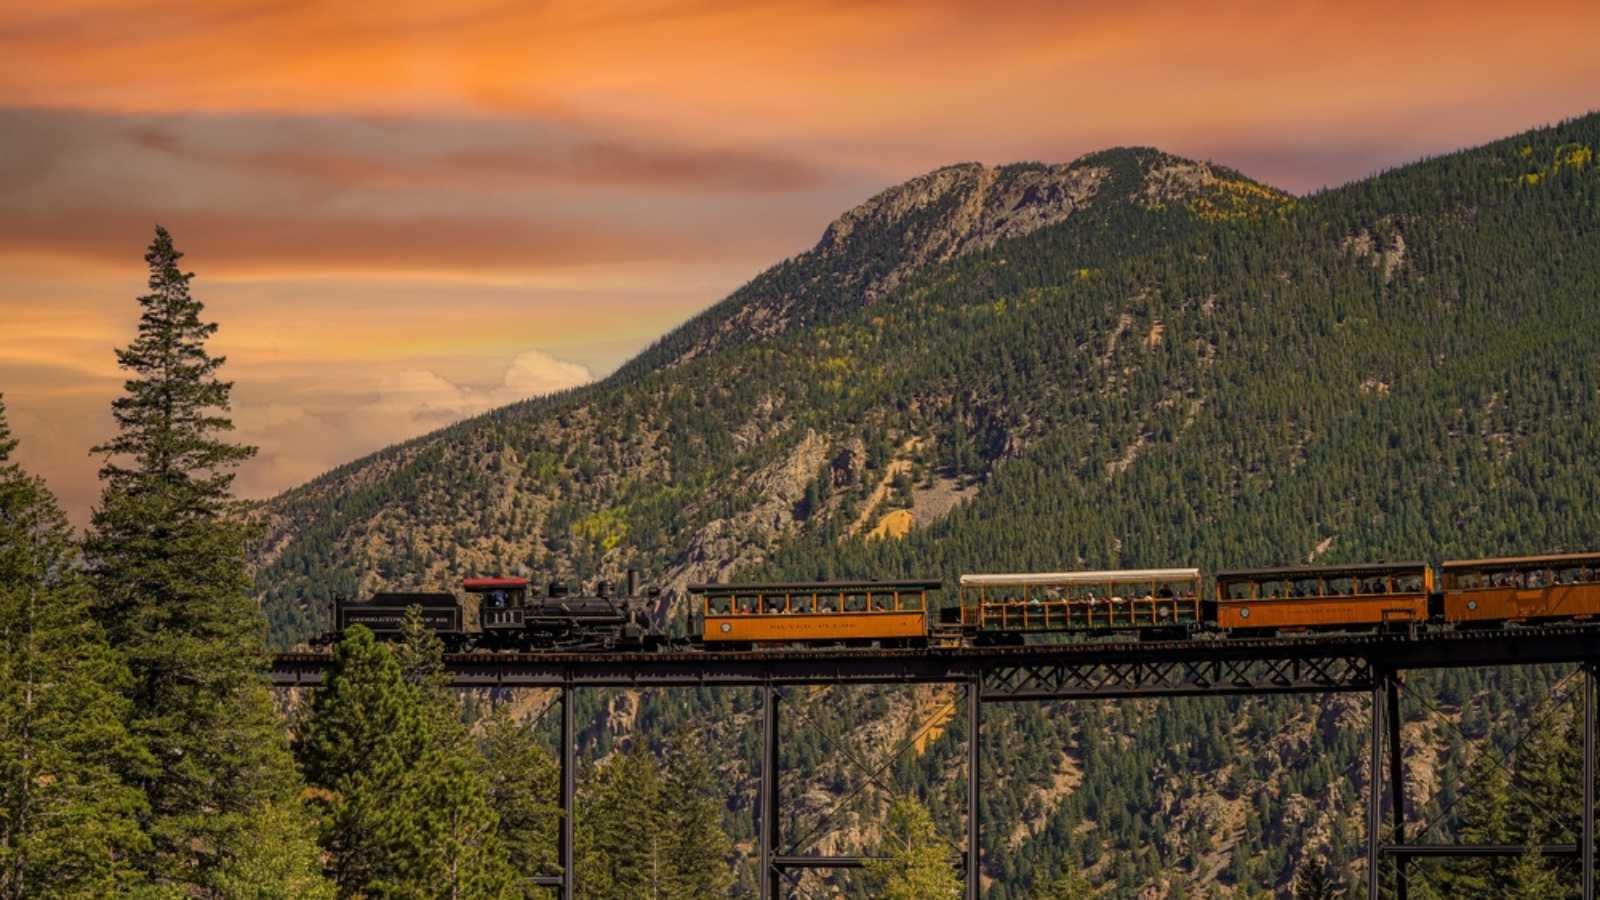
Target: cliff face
[1132,360]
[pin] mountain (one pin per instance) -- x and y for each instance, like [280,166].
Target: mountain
[1111,204]
[1049,367]
[574,484]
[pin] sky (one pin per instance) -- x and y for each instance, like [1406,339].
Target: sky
[406,213]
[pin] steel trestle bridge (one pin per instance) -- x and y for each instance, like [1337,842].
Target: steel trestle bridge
[1372,664]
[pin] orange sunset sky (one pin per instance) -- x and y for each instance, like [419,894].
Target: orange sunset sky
[403,213]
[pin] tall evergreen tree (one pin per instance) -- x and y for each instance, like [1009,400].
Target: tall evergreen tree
[68,824]
[167,555]
[621,841]
[1315,882]
[461,852]
[698,849]
[915,863]
[358,749]
[522,782]
[1070,884]
[401,792]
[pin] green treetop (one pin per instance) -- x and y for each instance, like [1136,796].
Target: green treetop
[698,849]
[1070,884]
[522,784]
[916,863]
[401,795]
[68,825]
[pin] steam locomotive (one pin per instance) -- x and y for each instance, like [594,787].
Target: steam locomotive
[512,615]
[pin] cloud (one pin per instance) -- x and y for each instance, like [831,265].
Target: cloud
[427,398]
[423,193]
[303,432]
[301,427]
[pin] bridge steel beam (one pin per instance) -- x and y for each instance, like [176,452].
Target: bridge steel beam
[1074,679]
[974,772]
[569,776]
[1586,836]
[771,825]
[1087,669]
[1375,790]
[1397,784]
[1476,851]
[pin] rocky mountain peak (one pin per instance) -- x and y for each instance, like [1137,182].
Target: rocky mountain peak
[943,215]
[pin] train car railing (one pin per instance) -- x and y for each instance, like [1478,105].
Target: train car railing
[1081,601]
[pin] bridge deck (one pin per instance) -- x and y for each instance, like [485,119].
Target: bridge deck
[1081,669]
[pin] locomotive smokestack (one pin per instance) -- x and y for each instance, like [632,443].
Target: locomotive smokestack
[602,590]
[633,582]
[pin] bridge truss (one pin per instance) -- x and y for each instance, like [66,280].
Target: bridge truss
[1370,664]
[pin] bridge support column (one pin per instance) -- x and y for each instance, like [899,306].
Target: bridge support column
[1397,784]
[769,828]
[569,776]
[1586,838]
[1375,788]
[974,768]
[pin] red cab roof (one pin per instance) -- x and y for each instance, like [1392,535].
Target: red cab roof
[474,583]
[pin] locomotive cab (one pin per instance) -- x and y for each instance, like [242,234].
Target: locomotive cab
[502,602]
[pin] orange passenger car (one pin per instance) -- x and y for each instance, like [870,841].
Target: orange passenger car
[1306,597]
[850,612]
[1522,588]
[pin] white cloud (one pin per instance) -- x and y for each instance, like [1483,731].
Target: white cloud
[428,398]
[302,437]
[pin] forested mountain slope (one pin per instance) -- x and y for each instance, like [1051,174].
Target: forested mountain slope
[676,472]
[1405,367]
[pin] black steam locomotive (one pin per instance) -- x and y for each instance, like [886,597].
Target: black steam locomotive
[512,615]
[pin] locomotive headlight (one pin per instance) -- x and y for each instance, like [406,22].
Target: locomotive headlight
[1244,613]
[726,627]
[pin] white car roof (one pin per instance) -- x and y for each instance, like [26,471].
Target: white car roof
[1111,576]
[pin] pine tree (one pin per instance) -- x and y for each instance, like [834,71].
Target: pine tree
[68,824]
[1314,882]
[522,784]
[167,556]
[697,848]
[1485,811]
[916,863]
[459,822]
[621,840]
[1533,878]
[402,797]
[358,749]
[1070,884]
